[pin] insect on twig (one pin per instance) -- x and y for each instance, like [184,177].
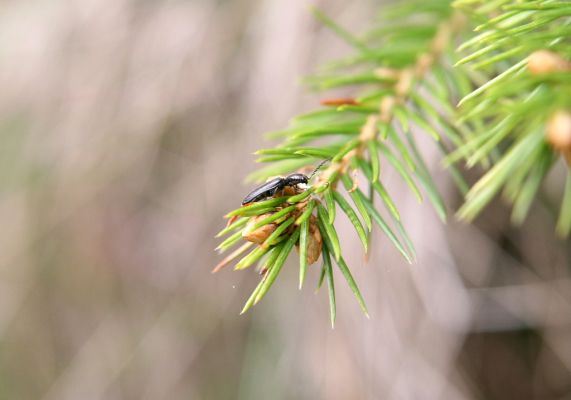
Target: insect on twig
[273,186]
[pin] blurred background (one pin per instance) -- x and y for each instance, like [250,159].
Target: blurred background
[126,130]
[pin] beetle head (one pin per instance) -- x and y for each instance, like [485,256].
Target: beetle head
[294,179]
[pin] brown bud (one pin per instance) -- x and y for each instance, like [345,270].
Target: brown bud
[559,133]
[314,242]
[545,61]
[339,102]
[260,234]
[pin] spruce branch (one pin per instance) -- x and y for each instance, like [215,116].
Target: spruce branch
[512,86]
[408,80]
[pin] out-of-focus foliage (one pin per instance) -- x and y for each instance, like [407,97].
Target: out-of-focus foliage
[520,115]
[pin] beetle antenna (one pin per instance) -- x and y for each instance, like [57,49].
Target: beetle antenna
[318,167]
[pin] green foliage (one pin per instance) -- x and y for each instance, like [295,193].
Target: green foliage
[509,114]
[402,75]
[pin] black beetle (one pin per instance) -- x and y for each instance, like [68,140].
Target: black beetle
[270,188]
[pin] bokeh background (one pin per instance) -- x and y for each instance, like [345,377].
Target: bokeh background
[126,130]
